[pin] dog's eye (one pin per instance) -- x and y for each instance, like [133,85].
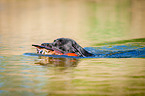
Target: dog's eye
[54,40]
[60,40]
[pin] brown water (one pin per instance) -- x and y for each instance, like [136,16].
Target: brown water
[89,22]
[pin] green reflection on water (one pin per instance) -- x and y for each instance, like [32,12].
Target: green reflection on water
[135,42]
[108,22]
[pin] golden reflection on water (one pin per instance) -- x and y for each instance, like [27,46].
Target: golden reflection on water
[90,77]
[103,77]
[26,22]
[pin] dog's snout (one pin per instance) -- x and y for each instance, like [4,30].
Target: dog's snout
[47,44]
[44,44]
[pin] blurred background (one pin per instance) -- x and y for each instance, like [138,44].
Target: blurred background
[86,21]
[90,23]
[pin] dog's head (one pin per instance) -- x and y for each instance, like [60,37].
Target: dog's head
[66,45]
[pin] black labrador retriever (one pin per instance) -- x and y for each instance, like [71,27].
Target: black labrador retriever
[62,46]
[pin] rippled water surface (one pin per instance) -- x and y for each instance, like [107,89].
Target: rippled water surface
[109,29]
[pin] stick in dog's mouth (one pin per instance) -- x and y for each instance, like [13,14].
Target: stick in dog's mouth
[46,50]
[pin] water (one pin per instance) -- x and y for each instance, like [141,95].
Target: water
[113,30]
[117,51]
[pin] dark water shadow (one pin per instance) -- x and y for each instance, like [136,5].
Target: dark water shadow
[134,48]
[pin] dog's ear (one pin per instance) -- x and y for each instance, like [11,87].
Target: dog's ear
[81,51]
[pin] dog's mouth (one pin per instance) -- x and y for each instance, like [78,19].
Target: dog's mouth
[47,50]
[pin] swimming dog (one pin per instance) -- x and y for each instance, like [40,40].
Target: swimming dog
[62,46]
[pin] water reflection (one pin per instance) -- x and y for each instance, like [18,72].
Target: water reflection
[57,62]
